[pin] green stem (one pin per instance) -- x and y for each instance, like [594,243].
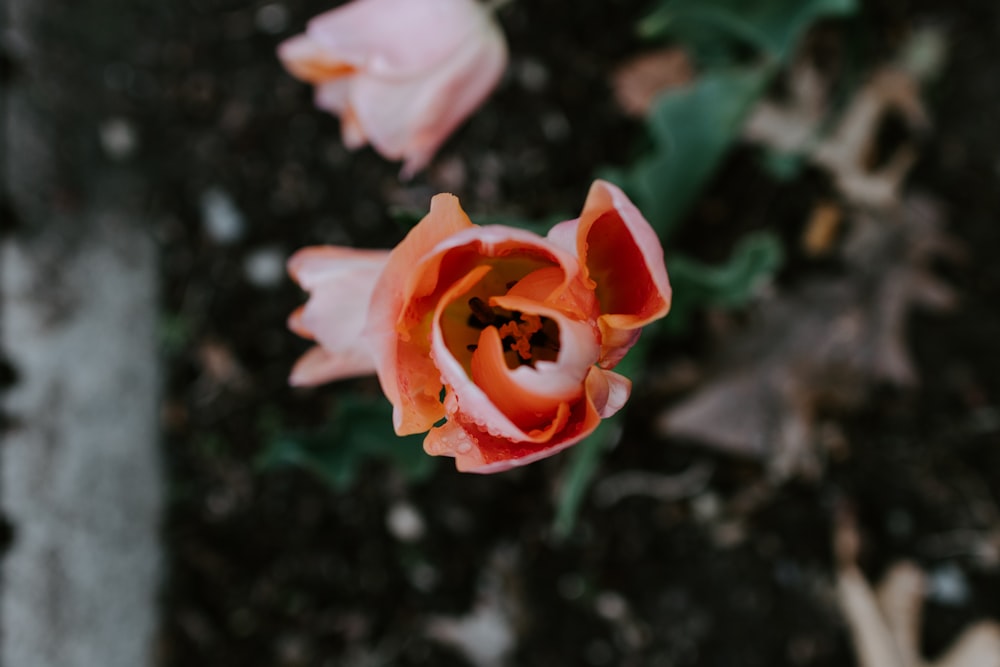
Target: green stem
[588,454]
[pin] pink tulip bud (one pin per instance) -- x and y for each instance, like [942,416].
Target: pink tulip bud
[401,74]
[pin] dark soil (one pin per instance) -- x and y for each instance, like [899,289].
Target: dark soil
[274,568]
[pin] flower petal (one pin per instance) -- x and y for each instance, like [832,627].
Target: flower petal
[471,247]
[440,249]
[398,38]
[408,276]
[318,365]
[478,451]
[608,391]
[340,282]
[307,60]
[578,351]
[332,96]
[624,260]
[499,400]
[531,408]
[317,266]
[409,119]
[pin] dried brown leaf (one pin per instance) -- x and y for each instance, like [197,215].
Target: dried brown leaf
[638,82]
[873,641]
[487,634]
[220,369]
[901,597]
[791,127]
[885,623]
[849,150]
[821,230]
[821,346]
[978,646]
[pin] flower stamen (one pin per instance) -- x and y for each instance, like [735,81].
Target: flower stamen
[519,331]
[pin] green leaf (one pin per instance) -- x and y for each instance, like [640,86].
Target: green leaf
[691,131]
[582,467]
[359,431]
[772,26]
[753,263]
[174,333]
[783,167]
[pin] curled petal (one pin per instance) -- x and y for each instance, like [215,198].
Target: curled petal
[578,350]
[608,391]
[476,450]
[407,274]
[623,260]
[340,282]
[557,271]
[523,404]
[533,410]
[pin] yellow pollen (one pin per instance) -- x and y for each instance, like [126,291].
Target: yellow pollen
[521,332]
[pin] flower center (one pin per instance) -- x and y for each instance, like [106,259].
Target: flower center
[526,338]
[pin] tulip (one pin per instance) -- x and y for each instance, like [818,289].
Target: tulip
[401,74]
[497,342]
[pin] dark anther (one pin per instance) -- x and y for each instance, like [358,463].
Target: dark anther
[482,315]
[471,347]
[511,284]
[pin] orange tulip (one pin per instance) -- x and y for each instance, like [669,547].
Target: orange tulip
[400,74]
[494,340]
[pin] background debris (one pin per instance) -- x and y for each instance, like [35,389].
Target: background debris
[885,623]
[821,346]
[639,81]
[486,635]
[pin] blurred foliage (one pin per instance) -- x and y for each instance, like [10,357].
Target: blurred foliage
[359,431]
[174,332]
[782,166]
[714,30]
[752,264]
[586,456]
[691,129]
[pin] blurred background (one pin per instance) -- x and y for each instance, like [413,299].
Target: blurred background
[824,175]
